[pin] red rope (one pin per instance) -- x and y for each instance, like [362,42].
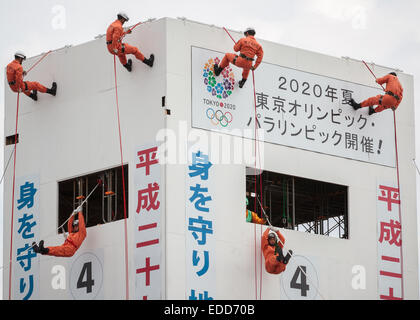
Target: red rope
[256,193]
[36,63]
[129,30]
[229,34]
[372,73]
[13,200]
[399,204]
[399,191]
[260,173]
[255,190]
[123,181]
[14,180]
[261,258]
[255,261]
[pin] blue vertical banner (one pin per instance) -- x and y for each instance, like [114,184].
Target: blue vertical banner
[200,236]
[25,280]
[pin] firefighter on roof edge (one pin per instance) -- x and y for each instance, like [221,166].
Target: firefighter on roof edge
[115,46]
[248,48]
[390,100]
[15,74]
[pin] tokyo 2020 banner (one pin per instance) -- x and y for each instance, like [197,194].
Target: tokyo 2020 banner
[294,108]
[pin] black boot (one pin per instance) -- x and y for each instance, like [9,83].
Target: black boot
[53,89]
[354,104]
[279,253]
[128,65]
[287,257]
[149,61]
[217,69]
[371,111]
[241,83]
[43,250]
[34,95]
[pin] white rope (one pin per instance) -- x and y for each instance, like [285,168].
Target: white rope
[414,160]
[7,165]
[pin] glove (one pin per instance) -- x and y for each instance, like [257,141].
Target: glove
[77,210]
[128,31]
[24,73]
[252,68]
[115,51]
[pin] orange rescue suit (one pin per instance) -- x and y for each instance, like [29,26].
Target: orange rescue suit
[386,101]
[113,40]
[254,218]
[14,74]
[248,47]
[73,241]
[271,263]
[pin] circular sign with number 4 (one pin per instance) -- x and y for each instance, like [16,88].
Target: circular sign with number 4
[86,277]
[300,279]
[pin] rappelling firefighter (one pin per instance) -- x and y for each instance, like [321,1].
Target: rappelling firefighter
[252,217]
[272,243]
[114,35]
[248,47]
[390,100]
[15,74]
[76,235]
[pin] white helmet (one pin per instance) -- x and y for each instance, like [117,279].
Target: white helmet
[20,54]
[272,234]
[249,29]
[123,15]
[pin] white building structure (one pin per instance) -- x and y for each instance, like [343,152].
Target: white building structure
[328,174]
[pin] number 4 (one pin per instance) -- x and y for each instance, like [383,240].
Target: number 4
[303,286]
[88,284]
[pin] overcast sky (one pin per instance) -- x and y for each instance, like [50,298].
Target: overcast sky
[386,32]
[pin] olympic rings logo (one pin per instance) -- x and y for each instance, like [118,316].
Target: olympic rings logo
[218,117]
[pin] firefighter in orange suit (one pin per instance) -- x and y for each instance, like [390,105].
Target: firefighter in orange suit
[114,35]
[248,48]
[252,217]
[77,233]
[15,74]
[391,99]
[272,243]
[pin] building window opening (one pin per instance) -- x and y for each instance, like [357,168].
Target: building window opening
[106,204]
[297,203]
